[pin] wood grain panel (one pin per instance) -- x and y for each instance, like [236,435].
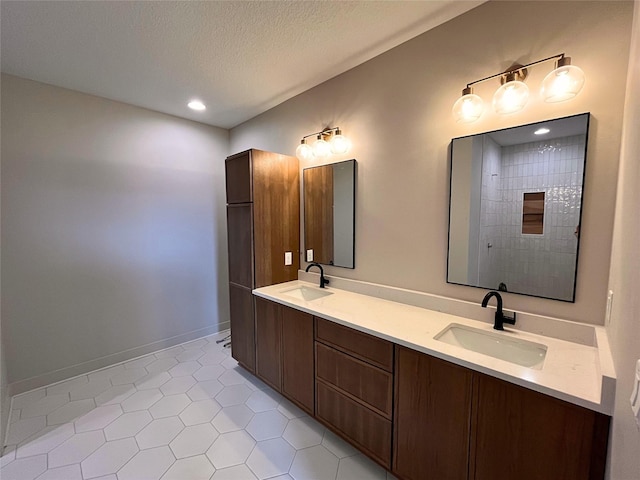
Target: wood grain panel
[297,358]
[318,212]
[523,434]
[366,347]
[357,379]
[238,178]
[276,210]
[364,428]
[243,347]
[239,234]
[268,342]
[432,418]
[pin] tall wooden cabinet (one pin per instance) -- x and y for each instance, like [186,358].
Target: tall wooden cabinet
[263,208]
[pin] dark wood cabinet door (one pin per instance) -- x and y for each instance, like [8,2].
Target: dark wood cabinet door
[297,358]
[243,347]
[238,177]
[269,342]
[239,233]
[519,433]
[432,418]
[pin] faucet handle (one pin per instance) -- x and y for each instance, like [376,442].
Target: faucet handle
[509,320]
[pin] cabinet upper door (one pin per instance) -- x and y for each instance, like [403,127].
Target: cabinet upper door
[240,237]
[238,177]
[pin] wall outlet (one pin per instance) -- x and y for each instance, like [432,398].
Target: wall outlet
[310,255]
[288,258]
[607,313]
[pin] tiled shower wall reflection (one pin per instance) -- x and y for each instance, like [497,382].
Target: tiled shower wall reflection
[542,265]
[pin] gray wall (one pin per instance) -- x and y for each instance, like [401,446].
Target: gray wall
[624,327]
[113,231]
[396,109]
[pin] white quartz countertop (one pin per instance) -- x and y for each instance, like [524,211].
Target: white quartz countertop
[571,371]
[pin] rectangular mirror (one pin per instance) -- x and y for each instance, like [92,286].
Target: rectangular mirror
[329,210]
[515,208]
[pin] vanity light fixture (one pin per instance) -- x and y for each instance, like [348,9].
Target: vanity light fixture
[328,141]
[541,131]
[563,83]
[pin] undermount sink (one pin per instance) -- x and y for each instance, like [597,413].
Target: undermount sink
[496,345]
[306,293]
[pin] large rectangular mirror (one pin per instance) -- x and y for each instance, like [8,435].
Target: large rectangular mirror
[329,209]
[515,208]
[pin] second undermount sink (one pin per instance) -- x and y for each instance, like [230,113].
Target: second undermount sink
[496,345]
[306,293]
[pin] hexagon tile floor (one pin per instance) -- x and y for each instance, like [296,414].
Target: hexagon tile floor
[184,413]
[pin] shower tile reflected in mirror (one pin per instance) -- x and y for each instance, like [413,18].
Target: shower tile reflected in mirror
[515,209]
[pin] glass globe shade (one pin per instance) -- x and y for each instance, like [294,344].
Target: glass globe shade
[340,144]
[510,97]
[562,84]
[304,152]
[321,149]
[468,108]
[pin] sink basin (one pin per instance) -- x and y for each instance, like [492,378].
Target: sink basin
[306,293]
[496,345]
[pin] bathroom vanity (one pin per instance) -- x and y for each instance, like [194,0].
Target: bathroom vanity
[373,371]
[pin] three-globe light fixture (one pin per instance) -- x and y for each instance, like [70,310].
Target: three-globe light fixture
[563,83]
[328,141]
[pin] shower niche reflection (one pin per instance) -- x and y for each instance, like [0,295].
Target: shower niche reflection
[515,208]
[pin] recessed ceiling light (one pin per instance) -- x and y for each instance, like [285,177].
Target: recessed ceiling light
[541,131]
[196,105]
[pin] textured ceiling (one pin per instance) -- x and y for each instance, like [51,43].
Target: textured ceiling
[239,58]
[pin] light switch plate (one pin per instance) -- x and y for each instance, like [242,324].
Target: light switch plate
[288,258]
[607,314]
[310,255]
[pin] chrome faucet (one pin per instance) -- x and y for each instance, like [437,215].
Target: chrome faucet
[500,318]
[323,281]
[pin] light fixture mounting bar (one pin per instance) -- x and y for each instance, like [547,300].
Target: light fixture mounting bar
[325,132]
[517,68]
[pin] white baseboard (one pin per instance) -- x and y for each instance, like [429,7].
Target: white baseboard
[66,373]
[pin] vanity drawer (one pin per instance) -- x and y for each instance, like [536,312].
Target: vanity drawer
[359,380]
[366,347]
[363,427]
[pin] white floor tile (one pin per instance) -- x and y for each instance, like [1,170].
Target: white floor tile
[169,406]
[194,440]
[233,395]
[25,468]
[202,411]
[152,380]
[98,418]
[70,411]
[45,440]
[263,400]
[170,352]
[141,400]
[106,373]
[195,344]
[337,446]
[116,394]
[290,410]
[8,455]
[210,372]
[70,472]
[233,418]
[23,429]
[109,458]
[193,468]
[239,472]
[203,390]
[128,425]
[315,463]
[231,449]
[90,389]
[148,464]
[178,385]
[159,432]
[140,362]
[184,368]
[266,425]
[212,358]
[14,416]
[271,458]
[24,399]
[67,386]
[190,355]
[44,406]
[161,365]
[303,432]
[359,466]
[127,376]
[76,449]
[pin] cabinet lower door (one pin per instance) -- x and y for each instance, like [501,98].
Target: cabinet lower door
[243,347]
[297,358]
[269,343]
[432,418]
[525,435]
